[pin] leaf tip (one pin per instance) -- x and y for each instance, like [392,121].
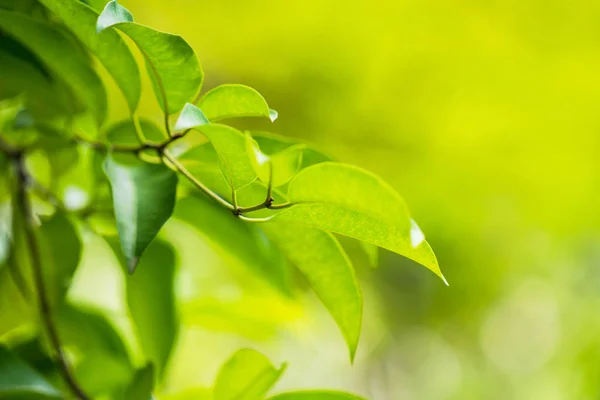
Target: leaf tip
[112,14]
[444,279]
[273,114]
[132,264]
[190,117]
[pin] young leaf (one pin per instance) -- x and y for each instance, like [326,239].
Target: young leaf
[247,375]
[235,240]
[19,380]
[278,168]
[316,395]
[229,143]
[232,101]
[175,70]
[50,46]
[321,259]
[143,197]
[141,385]
[109,47]
[350,201]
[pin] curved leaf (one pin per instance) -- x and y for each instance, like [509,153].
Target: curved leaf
[316,395]
[272,143]
[109,47]
[278,168]
[141,385]
[247,375]
[143,198]
[350,201]
[19,379]
[51,46]
[175,70]
[232,101]
[324,263]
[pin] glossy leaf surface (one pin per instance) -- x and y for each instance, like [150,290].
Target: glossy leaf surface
[232,101]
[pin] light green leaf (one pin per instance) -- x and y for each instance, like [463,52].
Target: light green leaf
[350,201]
[272,143]
[233,101]
[143,198]
[372,253]
[247,375]
[190,117]
[19,379]
[142,384]
[324,263]
[316,395]
[51,46]
[108,46]
[278,168]
[236,241]
[124,132]
[175,70]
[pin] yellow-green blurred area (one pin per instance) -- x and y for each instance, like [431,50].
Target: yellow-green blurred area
[484,116]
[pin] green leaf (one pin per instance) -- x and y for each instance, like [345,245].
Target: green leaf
[372,253]
[175,70]
[316,395]
[247,375]
[272,143]
[143,198]
[233,101]
[142,384]
[238,242]
[50,45]
[350,201]
[124,132]
[229,143]
[18,379]
[324,263]
[278,168]
[108,46]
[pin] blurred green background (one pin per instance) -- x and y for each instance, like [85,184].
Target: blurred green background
[483,115]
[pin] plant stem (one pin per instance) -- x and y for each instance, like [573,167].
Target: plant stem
[196,182]
[36,264]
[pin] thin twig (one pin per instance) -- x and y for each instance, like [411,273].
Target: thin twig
[36,264]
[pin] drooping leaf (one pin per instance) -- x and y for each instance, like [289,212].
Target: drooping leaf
[143,197]
[141,385]
[229,143]
[50,45]
[18,379]
[174,67]
[350,201]
[108,46]
[151,301]
[235,240]
[277,168]
[232,101]
[324,263]
[316,395]
[247,375]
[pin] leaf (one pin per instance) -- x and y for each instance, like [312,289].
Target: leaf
[236,241]
[50,46]
[233,101]
[350,201]
[151,301]
[372,253]
[321,259]
[316,395]
[229,143]
[19,379]
[247,375]
[143,197]
[175,70]
[124,132]
[278,168]
[108,46]
[142,384]
[272,143]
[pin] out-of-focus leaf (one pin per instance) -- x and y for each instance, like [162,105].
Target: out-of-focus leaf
[141,385]
[151,301]
[353,202]
[190,394]
[247,375]
[16,311]
[316,395]
[278,168]
[232,101]
[9,108]
[372,253]
[108,46]
[19,380]
[235,240]
[324,263]
[51,46]
[124,133]
[144,198]
[175,70]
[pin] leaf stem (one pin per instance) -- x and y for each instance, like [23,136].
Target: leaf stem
[196,182]
[36,264]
